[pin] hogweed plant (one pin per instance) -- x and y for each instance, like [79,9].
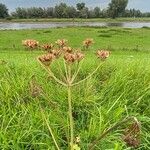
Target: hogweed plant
[73,57]
[30,43]
[87,43]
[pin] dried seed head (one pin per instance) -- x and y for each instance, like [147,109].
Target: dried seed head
[47,46]
[132,135]
[46,59]
[35,89]
[61,43]
[131,142]
[30,43]
[67,49]
[88,42]
[56,53]
[79,56]
[70,57]
[103,54]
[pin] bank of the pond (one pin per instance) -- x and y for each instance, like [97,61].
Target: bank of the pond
[78,20]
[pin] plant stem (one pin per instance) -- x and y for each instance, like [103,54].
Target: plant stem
[55,78]
[50,129]
[93,144]
[76,73]
[52,74]
[70,117]
[70,107]
[66,71]
[61,72]
[90,75]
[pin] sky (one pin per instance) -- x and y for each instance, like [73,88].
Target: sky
[143,5]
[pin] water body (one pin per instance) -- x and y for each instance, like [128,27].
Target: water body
[42,25]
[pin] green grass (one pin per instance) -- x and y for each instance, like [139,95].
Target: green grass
[107,38]
[119,89]
[79,20]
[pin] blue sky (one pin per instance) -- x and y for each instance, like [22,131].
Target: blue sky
[143,5]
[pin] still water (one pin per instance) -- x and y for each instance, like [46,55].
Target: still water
[19,26]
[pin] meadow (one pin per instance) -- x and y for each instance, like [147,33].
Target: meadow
[120,88]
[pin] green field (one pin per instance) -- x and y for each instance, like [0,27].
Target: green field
[120,88]
[108,38]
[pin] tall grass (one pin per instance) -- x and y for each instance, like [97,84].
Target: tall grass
[120,88]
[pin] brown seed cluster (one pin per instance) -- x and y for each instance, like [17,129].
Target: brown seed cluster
[103,54]
[88,42]
[132,135]
[29,43]
[69,54]
[79,56]
[72,57]
[47,47]
[46,59]
[67,49]
[61,43]
[56,52]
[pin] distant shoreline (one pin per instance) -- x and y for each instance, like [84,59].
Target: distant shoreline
[78,20]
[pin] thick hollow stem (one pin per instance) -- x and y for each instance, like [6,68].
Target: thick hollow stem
[70,118]
[71,121]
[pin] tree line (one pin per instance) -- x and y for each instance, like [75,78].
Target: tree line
[116,8]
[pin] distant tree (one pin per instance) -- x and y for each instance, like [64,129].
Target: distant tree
[84,13]
[50,12]
[147,14]
[71,12]
[117,8]
[80,6]
[97,12]
[35,12]
[81,10]
[104,13]
[20,13]
[3,11]
[137,13]
[91,13]
[132,13]
[61,10]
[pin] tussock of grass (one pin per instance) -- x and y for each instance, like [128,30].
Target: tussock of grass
[120,88]
[115,91]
